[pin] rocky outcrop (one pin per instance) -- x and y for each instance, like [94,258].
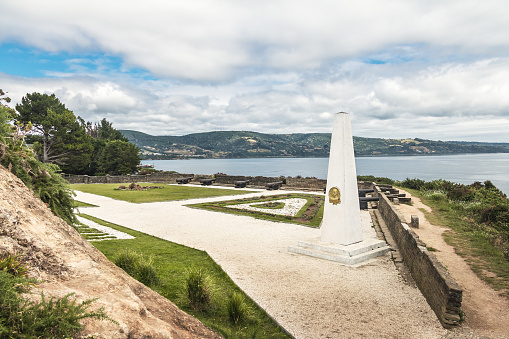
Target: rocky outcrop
[59,257]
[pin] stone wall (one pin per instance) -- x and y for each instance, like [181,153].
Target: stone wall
[443,294]
[311,183]
[221,179]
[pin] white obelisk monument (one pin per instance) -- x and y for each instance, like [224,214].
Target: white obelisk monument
[342,237]
[341,217]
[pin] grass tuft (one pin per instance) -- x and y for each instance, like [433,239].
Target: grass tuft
[237,308]
[137,266]
[197,289]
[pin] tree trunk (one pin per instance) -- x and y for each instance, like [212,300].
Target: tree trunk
[45,149]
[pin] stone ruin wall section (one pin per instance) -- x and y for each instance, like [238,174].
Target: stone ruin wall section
[441,291]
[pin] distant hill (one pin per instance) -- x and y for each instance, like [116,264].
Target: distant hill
[241,144]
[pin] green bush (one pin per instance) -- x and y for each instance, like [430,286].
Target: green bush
[415,183]
[378,180]
[126,260]
[197,289]
[49,318]
[43,178]
[55,191]
[137,266]
[146,273]
[237,308]
[436,195]
[13,264]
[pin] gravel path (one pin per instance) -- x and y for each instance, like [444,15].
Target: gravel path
[309,297]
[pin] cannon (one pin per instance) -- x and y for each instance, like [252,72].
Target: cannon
[207,182]
[363,202]
[273,185]
[181,181]
[241,183]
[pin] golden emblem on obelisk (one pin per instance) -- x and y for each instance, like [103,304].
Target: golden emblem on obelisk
[334,196]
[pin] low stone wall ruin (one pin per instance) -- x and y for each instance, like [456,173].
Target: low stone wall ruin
[221,179]
[441,291]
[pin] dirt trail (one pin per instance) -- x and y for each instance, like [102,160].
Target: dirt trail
[487,313]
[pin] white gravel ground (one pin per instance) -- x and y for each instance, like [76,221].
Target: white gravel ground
[309,297]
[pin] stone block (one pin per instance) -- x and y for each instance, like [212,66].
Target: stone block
[414,221]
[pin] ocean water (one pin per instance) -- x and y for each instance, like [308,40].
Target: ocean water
[462,168]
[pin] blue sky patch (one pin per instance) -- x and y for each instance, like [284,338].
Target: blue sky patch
[16,59]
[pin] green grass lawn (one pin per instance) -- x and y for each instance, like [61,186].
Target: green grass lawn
[164,193]
[172,261]
[311,214]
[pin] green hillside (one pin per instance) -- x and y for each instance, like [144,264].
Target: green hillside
[242,144]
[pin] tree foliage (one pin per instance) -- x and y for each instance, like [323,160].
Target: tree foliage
[105,131]
[118,157]
[6,115]
[78,147]
[58,136]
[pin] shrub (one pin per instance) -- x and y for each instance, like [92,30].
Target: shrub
[237,308]
[378,180]
[13,264]
[49,318]
[58,318]
[137,266]
[55,191]
[127,260]
[197,289]
[415,183]
[146,273]
[436,195]
[145,171]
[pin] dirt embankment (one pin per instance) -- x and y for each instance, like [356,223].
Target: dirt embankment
[65,262]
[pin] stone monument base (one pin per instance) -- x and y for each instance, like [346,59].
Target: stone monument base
[352,255]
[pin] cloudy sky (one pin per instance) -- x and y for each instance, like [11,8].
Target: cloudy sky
[424,68]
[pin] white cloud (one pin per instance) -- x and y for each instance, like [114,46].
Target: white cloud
[211,40]
[403,69]
[432,102]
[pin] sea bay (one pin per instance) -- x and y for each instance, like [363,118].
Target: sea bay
[461,168]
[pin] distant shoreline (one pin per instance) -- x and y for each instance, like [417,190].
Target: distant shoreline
[322,157]
[253,145]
